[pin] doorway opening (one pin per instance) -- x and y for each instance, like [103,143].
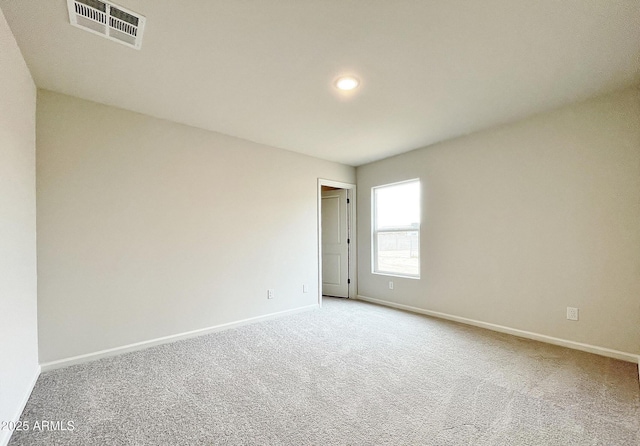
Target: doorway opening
[336,240]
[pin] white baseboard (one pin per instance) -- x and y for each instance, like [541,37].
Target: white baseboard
[66,362]
[5,435]
[624,356]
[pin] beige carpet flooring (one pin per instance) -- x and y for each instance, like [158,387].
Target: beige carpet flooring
[350,374]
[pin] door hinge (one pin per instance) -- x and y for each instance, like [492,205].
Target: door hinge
[348,240]
[348,201]
[348,280]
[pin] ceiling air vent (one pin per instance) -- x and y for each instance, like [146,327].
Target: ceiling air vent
[106,19]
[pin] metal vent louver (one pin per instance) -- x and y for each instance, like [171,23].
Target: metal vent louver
[108,20]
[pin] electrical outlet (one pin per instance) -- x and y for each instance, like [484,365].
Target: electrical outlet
[305,288]
[271,294]
[572,313]
[390,284]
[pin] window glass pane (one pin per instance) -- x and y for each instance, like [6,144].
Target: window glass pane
[398,206]
[396,229]
[398,252]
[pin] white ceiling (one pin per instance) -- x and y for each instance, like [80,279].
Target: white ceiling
[263,69]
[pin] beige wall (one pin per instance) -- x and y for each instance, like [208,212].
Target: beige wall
[18,323]
[147,228]
[521,221]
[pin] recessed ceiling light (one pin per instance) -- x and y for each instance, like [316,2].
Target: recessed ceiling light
[347,83]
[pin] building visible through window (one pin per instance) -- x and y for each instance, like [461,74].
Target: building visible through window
[396,229]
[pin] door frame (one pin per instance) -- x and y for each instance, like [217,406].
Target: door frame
[351,222]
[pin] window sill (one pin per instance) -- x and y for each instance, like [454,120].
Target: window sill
[377,273]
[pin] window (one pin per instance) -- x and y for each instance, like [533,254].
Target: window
[396,229]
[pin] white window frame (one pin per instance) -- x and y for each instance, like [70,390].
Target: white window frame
[375,231]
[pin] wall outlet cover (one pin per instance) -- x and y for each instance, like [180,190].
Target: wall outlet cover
[572,313]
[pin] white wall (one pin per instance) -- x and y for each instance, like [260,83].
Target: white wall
[18,300]
[521,221]
[147,228]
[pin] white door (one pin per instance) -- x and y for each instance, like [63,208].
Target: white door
[335,243]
